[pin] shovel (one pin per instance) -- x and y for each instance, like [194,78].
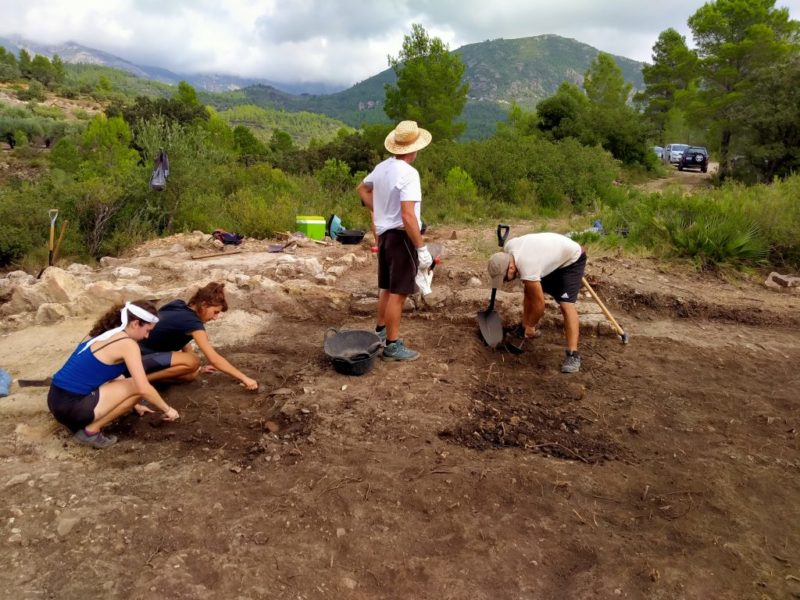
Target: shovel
[489,321]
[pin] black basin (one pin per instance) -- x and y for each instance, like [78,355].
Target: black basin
[352,352]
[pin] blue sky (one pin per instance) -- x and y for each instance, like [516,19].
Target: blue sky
[334,41]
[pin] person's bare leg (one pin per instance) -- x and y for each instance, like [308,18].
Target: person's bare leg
[184,366]
[571,324]
[393,312]
[383,301]
[116,399]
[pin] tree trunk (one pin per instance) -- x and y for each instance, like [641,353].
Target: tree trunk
[724,159]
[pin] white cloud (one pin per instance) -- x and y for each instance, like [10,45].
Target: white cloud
[334,41]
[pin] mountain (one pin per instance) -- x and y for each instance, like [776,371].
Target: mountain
[524,70]
[71,52]
[500,71]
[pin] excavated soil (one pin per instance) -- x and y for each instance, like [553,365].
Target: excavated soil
[666,469]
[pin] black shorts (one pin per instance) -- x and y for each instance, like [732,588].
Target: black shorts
[73,411]
[397,262]
[154,361]
[564,284]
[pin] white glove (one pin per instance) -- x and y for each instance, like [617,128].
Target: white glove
[425,258]
[423,280]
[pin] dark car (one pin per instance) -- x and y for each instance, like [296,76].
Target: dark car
[694,157]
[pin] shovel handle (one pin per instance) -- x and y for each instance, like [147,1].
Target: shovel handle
[502,234]
[491,301]
[620,332]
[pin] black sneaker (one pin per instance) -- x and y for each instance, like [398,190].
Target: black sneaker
[572,362]
[96,440]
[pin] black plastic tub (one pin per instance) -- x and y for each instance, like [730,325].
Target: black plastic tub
[350,236]
[352,352]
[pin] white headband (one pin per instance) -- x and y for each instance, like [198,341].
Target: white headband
[137,311]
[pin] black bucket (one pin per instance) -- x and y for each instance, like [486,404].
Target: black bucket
[352,352]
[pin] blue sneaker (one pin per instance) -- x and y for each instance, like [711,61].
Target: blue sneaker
[398,351]
[95,440]
[572,362]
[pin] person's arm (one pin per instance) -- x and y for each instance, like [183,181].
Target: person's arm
[410,223]
[532,306]
[132,356]
[364,190]
[219,362]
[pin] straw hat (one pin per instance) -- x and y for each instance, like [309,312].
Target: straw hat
[406,138]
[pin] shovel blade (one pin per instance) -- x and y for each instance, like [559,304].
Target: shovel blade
[491,327]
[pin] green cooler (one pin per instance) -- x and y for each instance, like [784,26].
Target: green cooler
[312,226]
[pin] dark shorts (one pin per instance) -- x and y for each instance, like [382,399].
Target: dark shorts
[154,361]
[564,284]
[397,262]
[74,411]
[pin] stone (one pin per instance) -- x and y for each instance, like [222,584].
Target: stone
[66,523]
[286,260]
[110,261]
[340,532]
[126,273]
[474,282]
[349,259]
[60,286]
[310,266]
[177,249]
[21,277]
[364,306]
[337,270]
[349,583]
[152,467]
[79,269]
[47,477]
[50,312]
[17,479]
[438,296]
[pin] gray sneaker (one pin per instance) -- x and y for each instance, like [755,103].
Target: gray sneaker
[572,362]
[98,440]
[382,335]
[398,351]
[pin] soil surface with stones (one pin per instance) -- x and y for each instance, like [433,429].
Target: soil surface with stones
[668,468]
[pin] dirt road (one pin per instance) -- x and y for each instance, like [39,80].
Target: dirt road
[688,180]
[665,469]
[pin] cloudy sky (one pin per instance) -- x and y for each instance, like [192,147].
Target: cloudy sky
[333,41]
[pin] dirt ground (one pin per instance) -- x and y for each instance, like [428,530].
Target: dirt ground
[666,469]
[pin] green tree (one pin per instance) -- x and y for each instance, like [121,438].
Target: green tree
[735,40]
[564,114]
[186,95]
[25,63]
[42,71]
[604,83]
[248,146]
[673,70]
[772,147]
[429,86]
[9,70]
[59,69]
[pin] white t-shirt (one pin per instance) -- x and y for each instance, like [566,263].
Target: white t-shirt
[539,254]
[393,181]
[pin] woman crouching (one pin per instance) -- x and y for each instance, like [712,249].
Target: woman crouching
[88,392]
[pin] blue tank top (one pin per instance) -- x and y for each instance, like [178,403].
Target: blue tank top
[83,372]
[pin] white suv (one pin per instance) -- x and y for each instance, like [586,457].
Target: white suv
[673,152]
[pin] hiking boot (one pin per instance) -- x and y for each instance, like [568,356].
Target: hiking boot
[382,335]
[97,440]
[398,351]
[572,362]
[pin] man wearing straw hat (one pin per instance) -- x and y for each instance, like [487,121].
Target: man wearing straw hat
[393,193]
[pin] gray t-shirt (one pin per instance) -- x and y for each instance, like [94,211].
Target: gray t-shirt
[539,254]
